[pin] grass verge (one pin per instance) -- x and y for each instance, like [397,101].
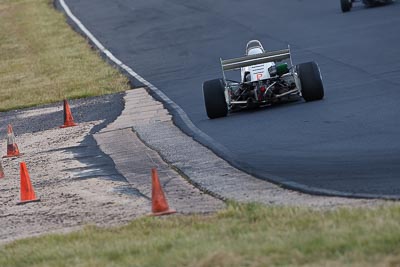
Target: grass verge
[42,60]
[241,235]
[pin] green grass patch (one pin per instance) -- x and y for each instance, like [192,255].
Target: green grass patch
[42,60]
[241,235]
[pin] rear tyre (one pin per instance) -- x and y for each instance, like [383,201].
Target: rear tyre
[346,5]
[311,83]
[214,98]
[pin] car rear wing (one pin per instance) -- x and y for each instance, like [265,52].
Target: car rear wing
[237,63]
[240,62]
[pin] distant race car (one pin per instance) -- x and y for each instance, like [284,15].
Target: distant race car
[265,80]
[346,5]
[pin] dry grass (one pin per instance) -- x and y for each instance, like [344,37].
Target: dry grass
[43,60]
[241,235]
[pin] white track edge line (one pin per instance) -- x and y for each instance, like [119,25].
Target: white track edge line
[131,72]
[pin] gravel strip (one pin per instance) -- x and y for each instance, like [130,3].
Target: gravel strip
[77,183]
[72,192]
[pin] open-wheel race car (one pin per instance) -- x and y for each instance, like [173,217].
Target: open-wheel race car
[266,78]
[346,5]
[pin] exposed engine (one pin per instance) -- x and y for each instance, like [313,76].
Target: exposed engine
[250,94]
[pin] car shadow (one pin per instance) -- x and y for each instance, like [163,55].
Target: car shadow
[274,107]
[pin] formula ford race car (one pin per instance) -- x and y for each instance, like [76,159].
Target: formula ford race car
[346,5]
[265,80]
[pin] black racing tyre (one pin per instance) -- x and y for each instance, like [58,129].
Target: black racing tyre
[346,5]
[312,87]
[214,98]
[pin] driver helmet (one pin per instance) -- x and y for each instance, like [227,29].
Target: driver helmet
[254,51]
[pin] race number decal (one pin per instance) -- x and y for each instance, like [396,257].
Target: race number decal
[259,76]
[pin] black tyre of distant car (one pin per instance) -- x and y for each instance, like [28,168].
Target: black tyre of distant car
[346,5]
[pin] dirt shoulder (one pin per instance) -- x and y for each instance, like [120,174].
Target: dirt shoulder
[68,198]
[77,183]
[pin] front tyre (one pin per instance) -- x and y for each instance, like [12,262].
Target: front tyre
[214,98]
[346,5]
[311,83]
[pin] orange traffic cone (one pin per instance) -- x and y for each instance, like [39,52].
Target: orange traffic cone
[27,193]
[159,202]
[12,148]
[68,119]
[1,170]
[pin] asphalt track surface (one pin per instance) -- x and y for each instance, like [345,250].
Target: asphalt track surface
[347,144]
